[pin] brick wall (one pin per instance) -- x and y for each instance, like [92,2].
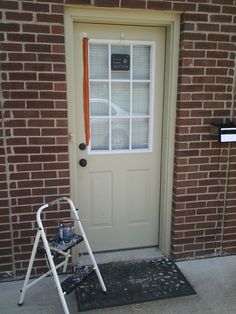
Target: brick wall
[34,116]
[34,146]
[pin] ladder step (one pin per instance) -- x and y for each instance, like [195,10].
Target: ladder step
[70,283]
[56,245]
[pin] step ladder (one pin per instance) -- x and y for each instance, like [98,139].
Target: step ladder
[51,247]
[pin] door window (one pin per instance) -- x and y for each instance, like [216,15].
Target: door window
[121,95]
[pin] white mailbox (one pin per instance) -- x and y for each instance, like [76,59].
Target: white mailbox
[226,132]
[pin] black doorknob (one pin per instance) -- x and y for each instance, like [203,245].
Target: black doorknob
[82,146]
[83,162]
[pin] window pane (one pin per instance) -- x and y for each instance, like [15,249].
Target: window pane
[121,49]
[141,62]
[120,99]
[120,133]
[140,132]
[140,98]
[99,134]
[98,61]
[99,99]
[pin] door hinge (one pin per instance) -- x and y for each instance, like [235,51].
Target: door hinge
[71,137]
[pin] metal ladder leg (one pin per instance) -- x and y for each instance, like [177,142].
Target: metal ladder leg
[34,250]
[92,258]
[54,271]
[86,244]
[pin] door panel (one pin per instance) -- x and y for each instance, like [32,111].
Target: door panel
[118,190]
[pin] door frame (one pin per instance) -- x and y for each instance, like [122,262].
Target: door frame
[171,22]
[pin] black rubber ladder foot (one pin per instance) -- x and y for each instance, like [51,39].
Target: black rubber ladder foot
[20,304]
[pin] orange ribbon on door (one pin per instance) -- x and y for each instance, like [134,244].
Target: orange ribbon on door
[86,91]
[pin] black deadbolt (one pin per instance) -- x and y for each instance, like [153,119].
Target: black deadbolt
[82,146]
[83,162]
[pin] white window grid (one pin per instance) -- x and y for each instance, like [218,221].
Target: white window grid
[151,82]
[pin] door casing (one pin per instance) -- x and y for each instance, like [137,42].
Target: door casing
[171,21]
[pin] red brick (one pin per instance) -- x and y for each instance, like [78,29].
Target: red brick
[107,3]
[203,79]
[20,37]
[216,71]
[57,29]
[50,18]
[53,57]
[41,140]
[209,8]
[9,27]
[35,28]
[57,8]
[53,149]
[19,16]
[24,95]
[218,37]
[205,45]
[217,54]
[40,104]
[35,7]
[12,85]
[58,49]
[41,123]
[228,28]
[11,66]
[229,9]
[10,5]
[195,17]
[208,27]
[158,5]
[221,18]
[22,57]
[52,77]
[215,88]
[227,46]
[39,86]
[226,2]
[184,6]
[38,48]
[193,36]
[53,95]
[50,38]
[26,132]
[42,67]
[11,47]
[22,76]
[85,2]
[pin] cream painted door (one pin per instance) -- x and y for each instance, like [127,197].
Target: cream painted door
[118,190]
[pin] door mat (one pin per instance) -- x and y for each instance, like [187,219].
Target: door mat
[133,282]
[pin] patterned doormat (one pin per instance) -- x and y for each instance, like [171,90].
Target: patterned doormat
[133,282]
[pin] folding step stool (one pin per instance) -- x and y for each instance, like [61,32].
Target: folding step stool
[51,247]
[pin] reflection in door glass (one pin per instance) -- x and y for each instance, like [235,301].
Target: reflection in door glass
[141,98]
[140,133]
[99,99]
[141,62]
[98,61]
[120,97]
[99,134]
[120,133]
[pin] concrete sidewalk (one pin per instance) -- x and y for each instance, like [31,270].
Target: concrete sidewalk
[214,280]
